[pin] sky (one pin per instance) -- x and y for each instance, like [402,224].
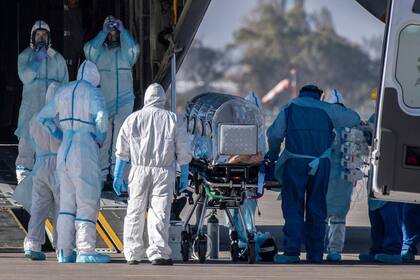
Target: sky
[223,17]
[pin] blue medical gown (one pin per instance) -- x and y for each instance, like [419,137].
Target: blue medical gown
[307,125]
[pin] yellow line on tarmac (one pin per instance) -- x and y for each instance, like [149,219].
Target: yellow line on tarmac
[110,231]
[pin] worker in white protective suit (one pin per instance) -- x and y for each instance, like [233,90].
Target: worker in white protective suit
[80,107]
[339,191]
[115,52]
[38,66]
[151,139]
[45,189]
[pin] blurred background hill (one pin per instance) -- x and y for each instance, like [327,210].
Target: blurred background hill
[250,45]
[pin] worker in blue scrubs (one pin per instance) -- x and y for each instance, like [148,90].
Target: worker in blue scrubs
[307,124]
[411,231]
[385,231]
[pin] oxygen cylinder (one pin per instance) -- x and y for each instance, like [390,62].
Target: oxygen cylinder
[213,236]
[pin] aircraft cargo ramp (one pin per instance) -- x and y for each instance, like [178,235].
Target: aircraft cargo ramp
[14,219]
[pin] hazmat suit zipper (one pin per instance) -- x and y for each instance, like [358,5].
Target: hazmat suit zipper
[46,73]
[72,104]
[116,112]
[72,132]
[117,84]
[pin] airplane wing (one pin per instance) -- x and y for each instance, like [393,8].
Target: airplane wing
[375,7]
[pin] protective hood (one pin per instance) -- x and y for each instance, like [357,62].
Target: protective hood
[155,96]
[334,97]
[89,72]
[40,25]
[109,19]
[254,99]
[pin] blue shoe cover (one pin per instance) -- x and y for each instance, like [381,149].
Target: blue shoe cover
[389,259]
[284,259]
[66,259]
[408,256]
[35,255]
[28,254]
[93,258]
[366,257]
[334,257]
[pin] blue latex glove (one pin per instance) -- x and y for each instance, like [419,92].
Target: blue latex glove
[41,54]
[268,167]
[107,27]
[119,185]
[58,134]
[183,182]
[53,129]
[99,138]
[118,25]
[271,157]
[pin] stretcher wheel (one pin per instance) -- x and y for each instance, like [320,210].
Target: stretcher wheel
[202,249]
[234,251]
[251,251]
[234,246]
[234,236]
[185,251]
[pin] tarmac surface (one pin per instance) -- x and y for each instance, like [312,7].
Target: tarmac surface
[13,265]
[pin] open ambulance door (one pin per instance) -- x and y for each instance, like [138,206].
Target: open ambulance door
[395,159]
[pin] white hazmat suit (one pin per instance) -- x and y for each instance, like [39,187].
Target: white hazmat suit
[81,109]
[115,65]
[36,74]
[339,191]
[151,139]
[45,189]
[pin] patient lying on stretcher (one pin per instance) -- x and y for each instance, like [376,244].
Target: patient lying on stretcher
[246,159]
